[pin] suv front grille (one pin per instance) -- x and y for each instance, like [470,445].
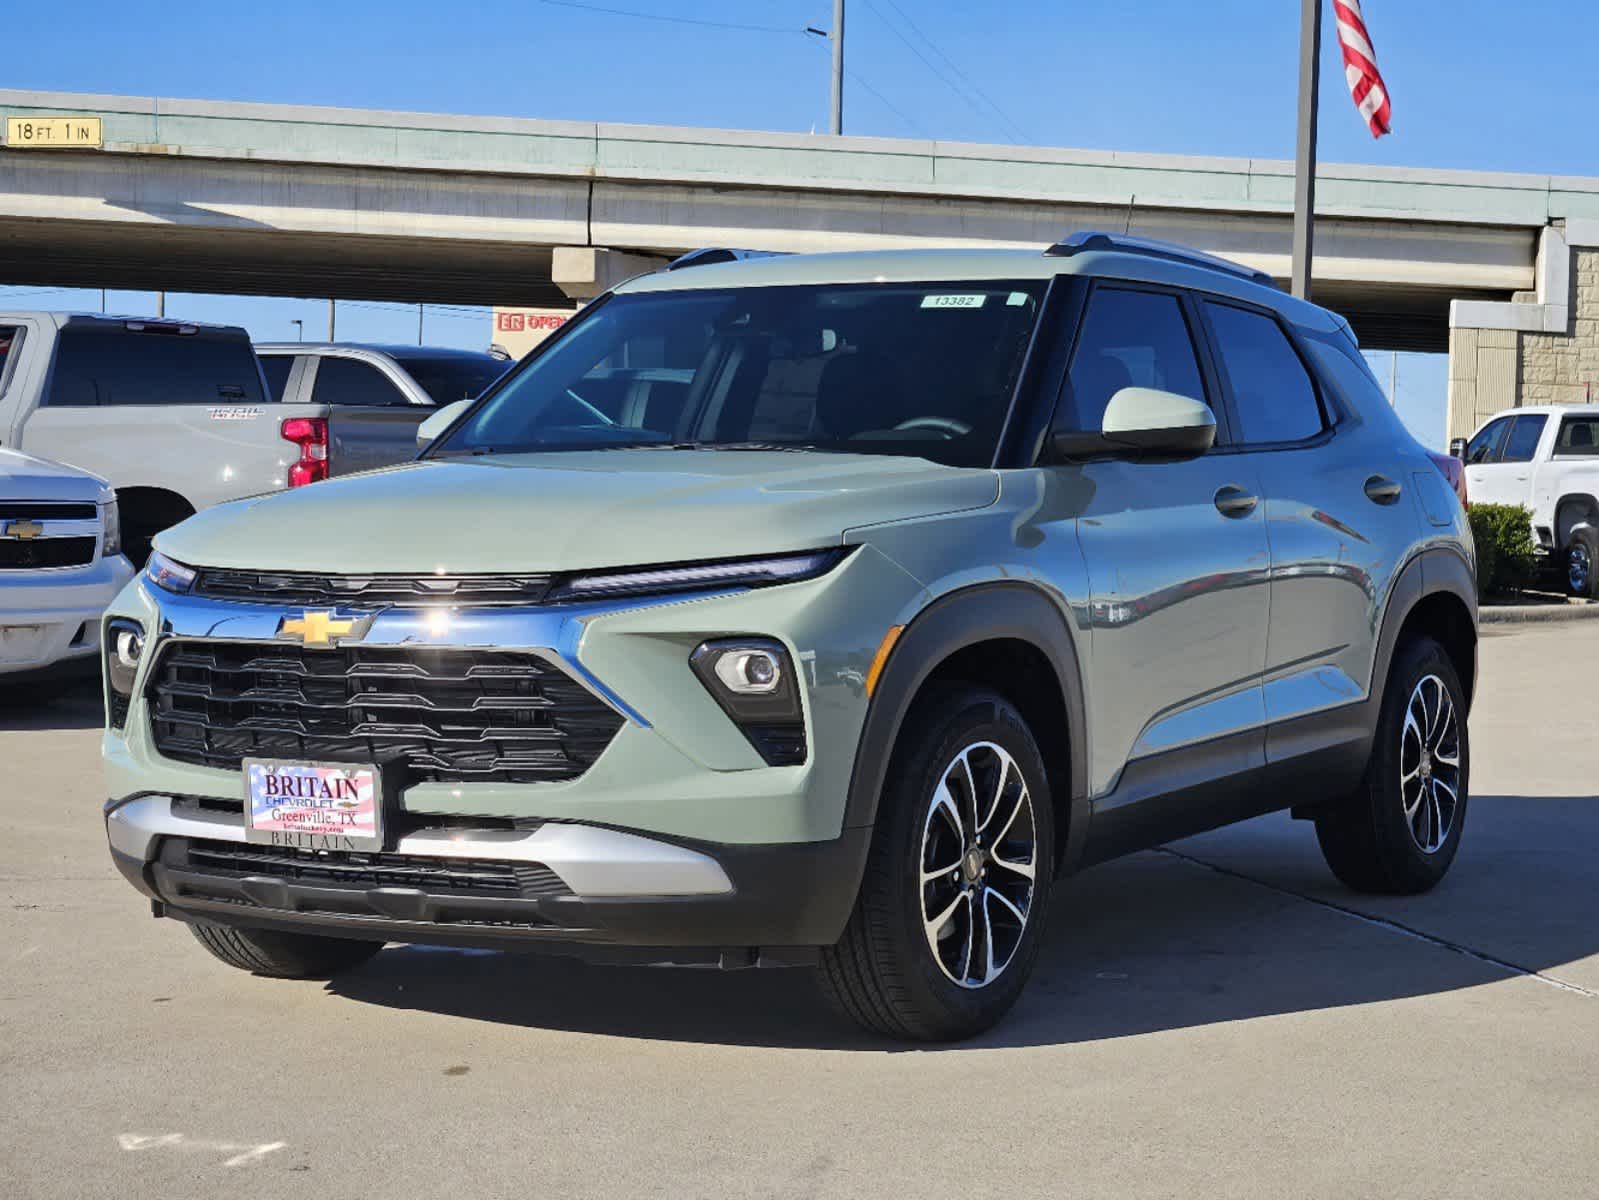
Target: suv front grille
[447,715]
[276,587]
[47,510]
[40,553]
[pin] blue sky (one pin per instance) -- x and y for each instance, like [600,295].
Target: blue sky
[1488,86]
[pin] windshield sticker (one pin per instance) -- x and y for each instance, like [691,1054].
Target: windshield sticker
[976,301]
[1016,299]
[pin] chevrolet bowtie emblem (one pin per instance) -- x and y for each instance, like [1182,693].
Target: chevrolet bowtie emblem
[24,530]
[323,627]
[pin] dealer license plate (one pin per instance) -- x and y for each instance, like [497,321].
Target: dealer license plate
[312,806]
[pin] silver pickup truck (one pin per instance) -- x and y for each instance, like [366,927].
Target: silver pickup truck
[175,415]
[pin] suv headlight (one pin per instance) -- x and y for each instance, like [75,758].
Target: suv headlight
[168,575]
[111,529]
[737,572]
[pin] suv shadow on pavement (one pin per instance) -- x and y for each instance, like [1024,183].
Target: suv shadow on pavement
[72,703]
[1157,942]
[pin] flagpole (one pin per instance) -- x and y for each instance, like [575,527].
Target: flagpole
[1305,160]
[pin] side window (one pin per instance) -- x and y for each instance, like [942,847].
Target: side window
[10,341]
[1485,446]
[276,369]
[1275,396]
[1523,440]
[1129,339]
[103,364]
[1579,438]
[351,383]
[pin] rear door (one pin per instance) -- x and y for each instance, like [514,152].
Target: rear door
[160,405]
[1338,516]
[1178,570]
[372,416]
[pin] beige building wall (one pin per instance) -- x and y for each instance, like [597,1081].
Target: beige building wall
[1542,348]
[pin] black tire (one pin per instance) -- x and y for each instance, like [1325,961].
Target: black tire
[1369,842]
[1582,562]
[283,955]
[885,972]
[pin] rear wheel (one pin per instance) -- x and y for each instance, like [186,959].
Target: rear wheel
[1399,833]
[282,955]
[1582,562]
[951,910]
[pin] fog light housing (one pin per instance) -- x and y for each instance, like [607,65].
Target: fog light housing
[124,651]
[753,681]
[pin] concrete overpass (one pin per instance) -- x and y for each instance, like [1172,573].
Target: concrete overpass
[192,195]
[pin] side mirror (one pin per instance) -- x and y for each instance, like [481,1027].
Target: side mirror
[1146,423]
[428,432]
[1457,448]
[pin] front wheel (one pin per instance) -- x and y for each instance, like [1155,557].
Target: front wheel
[1399,833]
[951,909]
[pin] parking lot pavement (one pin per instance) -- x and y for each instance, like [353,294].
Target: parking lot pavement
[1221,1019]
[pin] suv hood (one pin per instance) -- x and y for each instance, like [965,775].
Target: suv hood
[573,510]
[23,477]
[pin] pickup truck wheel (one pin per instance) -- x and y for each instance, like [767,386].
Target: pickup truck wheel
[1399,833]
[1582,556]
[282,955]
[951,910]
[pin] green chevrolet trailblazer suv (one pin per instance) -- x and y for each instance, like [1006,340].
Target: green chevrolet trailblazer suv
[811,611]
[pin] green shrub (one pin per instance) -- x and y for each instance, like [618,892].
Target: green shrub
[1506,555]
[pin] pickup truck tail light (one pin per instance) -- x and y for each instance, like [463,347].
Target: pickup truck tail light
[310,434]
[1454,471]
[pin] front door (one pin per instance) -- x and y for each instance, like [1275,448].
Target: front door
[1178,569]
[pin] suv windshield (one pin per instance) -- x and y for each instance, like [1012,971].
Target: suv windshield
[924,369]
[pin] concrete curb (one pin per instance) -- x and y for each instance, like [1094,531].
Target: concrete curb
[1525,614]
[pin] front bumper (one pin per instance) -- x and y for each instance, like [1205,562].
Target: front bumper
[559,884]
[52,618]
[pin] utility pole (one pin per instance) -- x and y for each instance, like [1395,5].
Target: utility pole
[838,67]
[332,315]
[299,329]
[102,299]
[1305,160]
[419,310]
[1393,381]
[160,304]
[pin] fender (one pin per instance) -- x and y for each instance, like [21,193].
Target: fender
[963,618]
[1429,573]
[1569,500]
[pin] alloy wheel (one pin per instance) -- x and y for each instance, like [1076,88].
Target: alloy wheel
[979,853]
[1429,764]
[1579,568]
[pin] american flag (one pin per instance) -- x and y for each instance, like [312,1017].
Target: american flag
[1360,67]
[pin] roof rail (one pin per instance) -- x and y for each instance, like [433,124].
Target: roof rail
[717,254]
[1086,240]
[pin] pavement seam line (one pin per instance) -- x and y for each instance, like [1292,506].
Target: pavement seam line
[1385,923]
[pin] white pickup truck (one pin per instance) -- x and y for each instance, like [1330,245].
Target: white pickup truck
[1546,459]
[174,414]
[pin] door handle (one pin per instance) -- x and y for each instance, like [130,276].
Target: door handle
[1233,501]
[1381,490]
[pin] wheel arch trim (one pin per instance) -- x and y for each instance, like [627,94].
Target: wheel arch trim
[984,612]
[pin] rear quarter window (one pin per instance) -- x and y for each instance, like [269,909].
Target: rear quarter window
[97,367]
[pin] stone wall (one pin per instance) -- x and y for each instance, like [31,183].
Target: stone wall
[1491,369]
[1557,368]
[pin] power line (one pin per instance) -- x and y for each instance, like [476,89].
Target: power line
[649,16]
[1016,130]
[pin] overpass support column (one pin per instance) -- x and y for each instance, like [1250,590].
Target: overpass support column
[583,272]
[1540,348]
